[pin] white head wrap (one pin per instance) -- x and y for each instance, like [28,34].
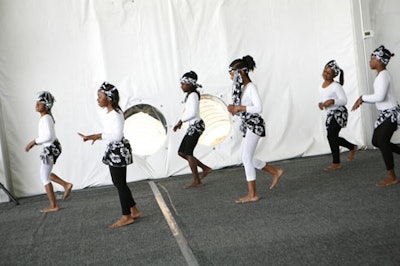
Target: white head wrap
[47,99]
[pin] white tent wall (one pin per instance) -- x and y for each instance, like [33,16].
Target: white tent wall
[143,47]
[373,23]
[381,18]
[4,167]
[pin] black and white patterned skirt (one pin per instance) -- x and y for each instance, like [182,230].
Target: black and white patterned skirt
[340,115]
[197,126]
[393,114]
[118,153]
[253,122]
[50,153]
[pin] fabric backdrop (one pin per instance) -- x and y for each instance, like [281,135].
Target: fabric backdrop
[144,46]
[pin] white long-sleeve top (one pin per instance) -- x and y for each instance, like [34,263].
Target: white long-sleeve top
[46,131]
[191,111]
[251,99]
[333,92]
[113,126]
[384,95]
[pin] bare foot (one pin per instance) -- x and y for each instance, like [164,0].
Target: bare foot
[135,213]
[387,182]
[67,191]
[193,185]
[333,167]
[125,220]
[276,177]
[50,209]
[350,157]
[247,199]
[205,173]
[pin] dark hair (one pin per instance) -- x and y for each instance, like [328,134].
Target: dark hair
[193,88]
[244,62]
[105,87]
[234,62]
[190,74]
[341,77]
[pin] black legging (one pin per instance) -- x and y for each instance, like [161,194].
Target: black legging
[118,176]
[335,141]
[381,139]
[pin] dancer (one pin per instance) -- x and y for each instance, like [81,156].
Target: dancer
[385,101]
[196,127]
[333,100]
[51,150]
[246,103]
[118,153]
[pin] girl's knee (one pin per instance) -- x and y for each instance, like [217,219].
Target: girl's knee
[250,179]
[376,142]
[247,160]
[45,182]
[332,137]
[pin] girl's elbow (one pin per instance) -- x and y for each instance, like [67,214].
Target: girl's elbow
[381,99]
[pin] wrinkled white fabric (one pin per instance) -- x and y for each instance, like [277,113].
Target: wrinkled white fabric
[143,47]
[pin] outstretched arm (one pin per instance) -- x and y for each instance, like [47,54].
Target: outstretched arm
[30,145]
[357,103]
[178,125]
[93,137]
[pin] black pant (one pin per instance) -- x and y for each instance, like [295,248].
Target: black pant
[118,176]
[381,139]
[335,141]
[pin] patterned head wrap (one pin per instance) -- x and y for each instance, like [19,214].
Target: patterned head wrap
[192,81]
[108,89]
[334,66]
[245,69]
[382,54]
[47,99]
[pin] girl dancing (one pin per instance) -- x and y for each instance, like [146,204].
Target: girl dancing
[191,114]
[384,97]
[118,153]
[51,150]
[247,104]
[334,100]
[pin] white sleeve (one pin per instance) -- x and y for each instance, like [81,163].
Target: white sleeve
[230,100]
[342,98]
[113,127]
[46,125]
[321,93]
[320,96]
[256,106]
[190,107]
[381,86]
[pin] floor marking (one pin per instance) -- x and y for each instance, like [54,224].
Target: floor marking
[180,239]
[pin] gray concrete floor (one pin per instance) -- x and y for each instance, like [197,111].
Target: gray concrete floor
[311,218]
